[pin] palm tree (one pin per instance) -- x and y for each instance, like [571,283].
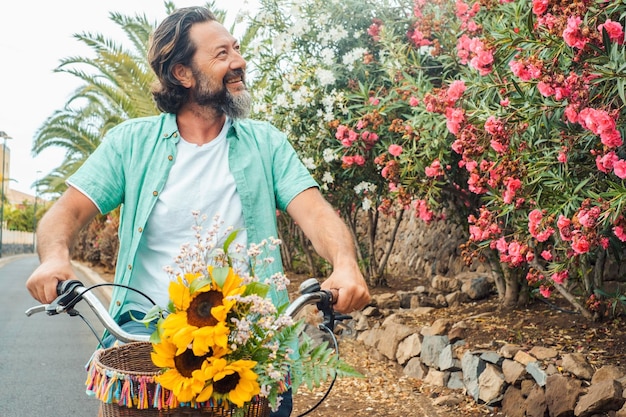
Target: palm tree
[116,87]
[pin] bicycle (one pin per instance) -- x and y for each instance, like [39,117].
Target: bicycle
[121,359]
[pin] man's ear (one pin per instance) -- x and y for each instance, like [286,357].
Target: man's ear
[183,74]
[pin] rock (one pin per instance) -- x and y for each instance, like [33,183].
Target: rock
[439,328]
[491,357]
[535,403]
[431,349]
[444,284]
[537,373]
[508,351]
[423,311]
[386,301]
[391,336]
[448,360]
[562,394]
[576,364]
[437,378]
[512,403]
[409,348]
[472,367]
[415,368]
[513,371]
[456,380]
[543,353]
[603,396]
[608,372]
[491,385]
[477,288]
[457,332]
[448,400]
[523,357]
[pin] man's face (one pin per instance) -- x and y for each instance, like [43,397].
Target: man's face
[210,92]
[219,71]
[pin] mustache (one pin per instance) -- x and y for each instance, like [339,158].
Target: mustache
[234,74]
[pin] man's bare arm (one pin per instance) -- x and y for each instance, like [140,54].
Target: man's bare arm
[331,240]
[56,233]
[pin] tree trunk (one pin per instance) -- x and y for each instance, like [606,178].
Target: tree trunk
[498,276]
[511,292]
[383,263]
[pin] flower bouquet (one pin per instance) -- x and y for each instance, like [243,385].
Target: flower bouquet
[222,342]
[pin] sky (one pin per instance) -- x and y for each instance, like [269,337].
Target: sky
[34,37]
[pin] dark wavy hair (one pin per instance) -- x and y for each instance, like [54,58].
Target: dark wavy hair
[170,45]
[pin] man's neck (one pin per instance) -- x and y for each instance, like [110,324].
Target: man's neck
[199,125]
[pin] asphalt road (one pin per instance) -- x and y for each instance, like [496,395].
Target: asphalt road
[42,358]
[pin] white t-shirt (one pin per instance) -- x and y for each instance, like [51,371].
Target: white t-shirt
[200,180]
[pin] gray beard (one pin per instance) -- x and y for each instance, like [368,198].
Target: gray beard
[236,106]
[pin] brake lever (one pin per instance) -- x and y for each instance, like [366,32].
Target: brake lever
[66,300]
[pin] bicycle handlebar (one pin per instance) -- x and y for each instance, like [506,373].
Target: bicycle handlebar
[72,291]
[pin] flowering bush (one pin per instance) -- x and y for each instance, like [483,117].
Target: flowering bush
[506,115]
[222,341]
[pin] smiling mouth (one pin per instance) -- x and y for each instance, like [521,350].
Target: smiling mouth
[235,80]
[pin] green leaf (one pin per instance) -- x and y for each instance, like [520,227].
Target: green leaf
[606,40]
[220,274]
[231,237]
[257,288]
[199,283]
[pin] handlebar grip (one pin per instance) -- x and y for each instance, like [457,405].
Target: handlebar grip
[67,286]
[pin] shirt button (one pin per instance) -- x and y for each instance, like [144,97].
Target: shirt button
[130,267]
[155,193]
[140,229]
[175,134]
[170,157]
[118,303]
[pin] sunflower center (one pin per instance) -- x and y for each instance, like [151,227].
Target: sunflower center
[199,312]
[187,362]
[226,384]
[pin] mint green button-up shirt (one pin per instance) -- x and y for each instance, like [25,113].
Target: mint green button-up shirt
[131,166]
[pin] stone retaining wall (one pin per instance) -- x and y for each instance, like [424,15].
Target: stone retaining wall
[535,382]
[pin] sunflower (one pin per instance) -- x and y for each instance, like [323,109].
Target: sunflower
[201,309]
[182,376]
[235,381]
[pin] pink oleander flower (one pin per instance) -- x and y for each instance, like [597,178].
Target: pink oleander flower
[573,35]
[562,157]
[540,6]
[498,146]
[535,216]
[545,291]
[455,90]
[571,113]
[374,101]
[494,126]
[605,163]
[547,255]
[580,244]
[620,233]
[505,102]
[395,150]
[359,160]
[434,170]
[413,101]
[512,185]
[619,168]
[545,89]
[560,277]
[454,118]
[614,30]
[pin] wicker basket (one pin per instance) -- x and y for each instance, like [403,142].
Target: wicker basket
[123,378]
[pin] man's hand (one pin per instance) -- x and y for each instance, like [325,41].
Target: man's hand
[42,284]
[352,291]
